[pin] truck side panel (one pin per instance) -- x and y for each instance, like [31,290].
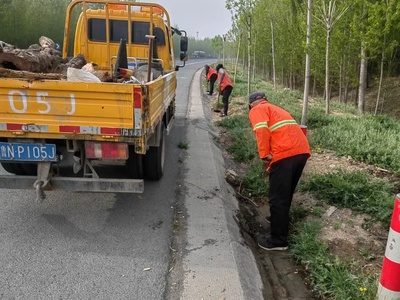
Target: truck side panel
[161,94]
[50,105]
[52,109]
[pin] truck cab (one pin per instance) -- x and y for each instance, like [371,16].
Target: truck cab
[100,28]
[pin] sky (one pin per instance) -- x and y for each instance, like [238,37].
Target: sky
[199,18]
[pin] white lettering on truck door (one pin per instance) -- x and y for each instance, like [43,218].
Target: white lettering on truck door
[22,98]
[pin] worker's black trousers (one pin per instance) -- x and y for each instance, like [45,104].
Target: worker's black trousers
[213,79]
[283,178]
[225,98]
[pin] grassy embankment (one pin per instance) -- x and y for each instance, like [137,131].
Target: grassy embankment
[365,138]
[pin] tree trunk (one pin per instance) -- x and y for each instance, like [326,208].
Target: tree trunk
[314,86]
[254,56]
[291,80]
[363,80]
[307,71]
[327,93]
[237,58]
[380,83]
[249,59]
[381,75]
[273,54]
[340,78]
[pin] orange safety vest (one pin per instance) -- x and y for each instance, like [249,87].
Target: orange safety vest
[277,133]
[226,81]
[211,71]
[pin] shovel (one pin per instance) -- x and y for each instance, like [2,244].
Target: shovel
[217,109]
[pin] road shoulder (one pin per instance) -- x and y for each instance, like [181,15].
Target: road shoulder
[216,262]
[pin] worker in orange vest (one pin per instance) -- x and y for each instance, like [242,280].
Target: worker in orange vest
[284,149]
[211,76]
[225,88]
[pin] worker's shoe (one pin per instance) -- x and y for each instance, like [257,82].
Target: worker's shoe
[268,245]
[222,115]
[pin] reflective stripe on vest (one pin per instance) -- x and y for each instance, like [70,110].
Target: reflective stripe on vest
[260,125]
[281,124]
[275,126]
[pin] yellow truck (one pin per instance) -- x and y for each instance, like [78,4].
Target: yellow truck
[68,134]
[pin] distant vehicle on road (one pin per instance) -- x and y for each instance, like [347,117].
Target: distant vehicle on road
[198,54]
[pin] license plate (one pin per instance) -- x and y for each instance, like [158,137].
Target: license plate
[27,152]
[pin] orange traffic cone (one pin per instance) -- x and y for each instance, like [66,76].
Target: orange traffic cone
[389,283]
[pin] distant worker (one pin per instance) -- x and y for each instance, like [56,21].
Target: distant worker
[225,88]
[211,76]
[284,149]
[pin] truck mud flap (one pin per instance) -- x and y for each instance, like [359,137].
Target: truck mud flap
[73,184]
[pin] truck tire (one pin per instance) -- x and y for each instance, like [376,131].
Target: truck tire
[13,168]
[134,164]
[154,159]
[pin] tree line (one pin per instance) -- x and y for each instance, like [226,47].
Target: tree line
[23,22]
[352,42]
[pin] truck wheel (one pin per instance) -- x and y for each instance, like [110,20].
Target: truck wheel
[13,168]
[154,159]
[134,164]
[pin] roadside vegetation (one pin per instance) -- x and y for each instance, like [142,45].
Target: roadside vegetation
[365,138]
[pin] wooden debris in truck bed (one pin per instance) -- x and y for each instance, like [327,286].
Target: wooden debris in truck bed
[8,73]
[43,58]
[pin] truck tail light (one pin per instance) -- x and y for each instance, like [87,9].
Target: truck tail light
[106,150]
[137,97]
[137,108]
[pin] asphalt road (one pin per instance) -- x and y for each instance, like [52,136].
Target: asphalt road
[94,246]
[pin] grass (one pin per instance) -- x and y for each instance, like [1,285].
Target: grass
[184,145]
[354,190]
[217,105]
[369,139]
[255,181]
[331,278]
[365,138]
[243,145]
